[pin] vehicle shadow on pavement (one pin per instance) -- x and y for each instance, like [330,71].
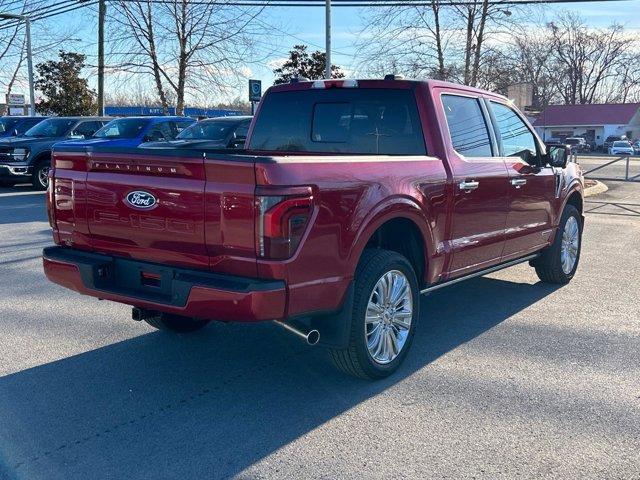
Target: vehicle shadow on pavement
[211,404]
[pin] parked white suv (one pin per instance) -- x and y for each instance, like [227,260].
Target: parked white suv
[621,147]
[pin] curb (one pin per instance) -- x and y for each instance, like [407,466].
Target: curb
[596,189]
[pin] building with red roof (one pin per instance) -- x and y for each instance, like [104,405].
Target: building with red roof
[594,122]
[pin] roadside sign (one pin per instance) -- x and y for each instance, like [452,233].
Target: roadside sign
[15,99]
[16,111]
[255,90]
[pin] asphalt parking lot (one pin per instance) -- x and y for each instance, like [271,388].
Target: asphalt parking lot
[507,378]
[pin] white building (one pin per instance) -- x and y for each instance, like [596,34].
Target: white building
[594,122]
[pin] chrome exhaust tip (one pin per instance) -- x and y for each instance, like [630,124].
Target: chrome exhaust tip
[312,337]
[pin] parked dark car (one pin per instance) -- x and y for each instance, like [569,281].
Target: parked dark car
[28,157]
[578,144]
[132,131]
[221,132]
[16,126]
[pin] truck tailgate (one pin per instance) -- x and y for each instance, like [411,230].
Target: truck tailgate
[172,207]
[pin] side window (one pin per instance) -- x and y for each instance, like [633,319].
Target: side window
[86,128]
[27,124]
[517,139]
[467,126]
[157,133]
[180,126]
[242,130]
[169,130]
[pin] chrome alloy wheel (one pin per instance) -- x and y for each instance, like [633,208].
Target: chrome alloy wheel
[388,316]
[570,245]
[43,176]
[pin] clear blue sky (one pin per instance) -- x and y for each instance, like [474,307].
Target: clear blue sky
[306,25]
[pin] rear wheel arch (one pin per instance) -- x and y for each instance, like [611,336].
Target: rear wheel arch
[398,228]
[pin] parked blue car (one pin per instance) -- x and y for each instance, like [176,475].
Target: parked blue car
[132,131]
[16,126]
[220,132]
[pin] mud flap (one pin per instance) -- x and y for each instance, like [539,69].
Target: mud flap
[334,327]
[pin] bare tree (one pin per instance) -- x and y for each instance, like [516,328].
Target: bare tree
[525,57]
[588,59]
[626,87]
[413,40]
[425,40]
[187,47]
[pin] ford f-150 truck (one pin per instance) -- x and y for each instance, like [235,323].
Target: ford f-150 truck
[351,199]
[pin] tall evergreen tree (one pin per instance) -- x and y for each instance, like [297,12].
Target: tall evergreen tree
[302,64]
[64,91]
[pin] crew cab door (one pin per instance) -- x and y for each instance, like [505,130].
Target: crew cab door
[532,186]
[480,185]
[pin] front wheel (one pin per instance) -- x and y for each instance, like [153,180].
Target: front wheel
[558,262]
[386,309]
[40,178]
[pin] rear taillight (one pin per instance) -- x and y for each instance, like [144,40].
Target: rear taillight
[282,217]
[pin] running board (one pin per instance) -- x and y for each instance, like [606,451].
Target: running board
[479,273]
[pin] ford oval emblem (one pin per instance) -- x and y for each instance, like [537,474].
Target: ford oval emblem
[140,199]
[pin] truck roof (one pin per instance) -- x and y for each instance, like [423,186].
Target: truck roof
[378,83]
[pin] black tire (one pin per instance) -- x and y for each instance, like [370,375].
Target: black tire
[356,360]
[37,177]
[549,265]
[176,323]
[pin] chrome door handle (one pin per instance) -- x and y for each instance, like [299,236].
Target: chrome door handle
[468,186]
[518,182]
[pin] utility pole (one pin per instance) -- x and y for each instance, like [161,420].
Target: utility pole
[327,37]
[32,95]
[102,11]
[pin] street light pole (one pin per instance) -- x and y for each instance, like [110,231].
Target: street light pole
[327,36]
[32,95]
[102,10]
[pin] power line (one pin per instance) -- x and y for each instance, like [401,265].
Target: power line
[39,13]
[59,10]
[45,8]
[374,3]
[65,6]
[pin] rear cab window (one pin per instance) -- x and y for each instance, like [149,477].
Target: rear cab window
[340,120]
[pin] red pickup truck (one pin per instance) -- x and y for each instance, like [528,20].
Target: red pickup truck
[352,198]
